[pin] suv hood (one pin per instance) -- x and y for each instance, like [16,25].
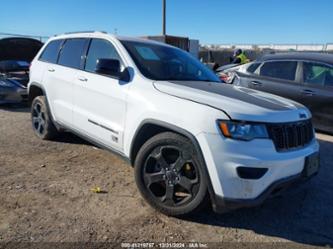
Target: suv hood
[18,48]
[238,103]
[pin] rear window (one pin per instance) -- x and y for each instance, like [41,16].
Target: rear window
[50,53]
[71,53]
[285,70]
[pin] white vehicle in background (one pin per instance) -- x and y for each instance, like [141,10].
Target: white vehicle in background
[227,73]
[190,138]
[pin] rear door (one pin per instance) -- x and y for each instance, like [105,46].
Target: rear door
[41,68]
[317,93]
[277,77]
[60,78]
[100,100]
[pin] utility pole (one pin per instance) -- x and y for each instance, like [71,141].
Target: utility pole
[164,17]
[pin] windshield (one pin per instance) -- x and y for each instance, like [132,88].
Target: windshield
[158,62]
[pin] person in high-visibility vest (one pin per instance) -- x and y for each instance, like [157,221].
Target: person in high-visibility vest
[240,57]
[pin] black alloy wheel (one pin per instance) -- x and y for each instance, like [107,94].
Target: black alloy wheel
[169,174]
[171,178]
[38,119]
[42,124]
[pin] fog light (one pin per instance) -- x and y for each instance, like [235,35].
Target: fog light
[251,173]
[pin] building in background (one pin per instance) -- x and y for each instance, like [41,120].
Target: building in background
[189,45]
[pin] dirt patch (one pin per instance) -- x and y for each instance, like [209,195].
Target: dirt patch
[45,193]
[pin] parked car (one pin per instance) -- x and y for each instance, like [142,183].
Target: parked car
[304,77]
[15,57]
[226,72]
[188,136]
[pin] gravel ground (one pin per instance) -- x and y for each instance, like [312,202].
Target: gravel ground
[45,196]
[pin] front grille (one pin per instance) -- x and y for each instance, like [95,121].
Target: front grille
[289,136]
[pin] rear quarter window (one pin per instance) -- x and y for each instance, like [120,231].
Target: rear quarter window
[51,51]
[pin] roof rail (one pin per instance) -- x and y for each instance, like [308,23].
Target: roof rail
[89,31]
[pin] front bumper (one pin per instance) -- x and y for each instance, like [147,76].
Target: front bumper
[225,204]
[223,156]
[13,95]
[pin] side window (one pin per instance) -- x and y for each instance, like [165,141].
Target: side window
[50,53]
[317,74]
[285,70]
[253,67]
[71,53]
[99,49]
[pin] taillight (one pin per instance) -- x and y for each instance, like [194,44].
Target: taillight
[224,77]
[227,77]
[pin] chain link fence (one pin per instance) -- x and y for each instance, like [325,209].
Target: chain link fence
[222,54]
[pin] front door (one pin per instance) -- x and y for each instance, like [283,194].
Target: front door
[277,77]
[100,101]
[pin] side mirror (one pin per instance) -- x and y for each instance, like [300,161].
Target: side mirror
[109,67]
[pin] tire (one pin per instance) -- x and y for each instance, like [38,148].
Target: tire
[42,124]
[170,175]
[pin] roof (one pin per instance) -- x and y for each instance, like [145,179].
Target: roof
[139,39]
[319,57]
[99,34]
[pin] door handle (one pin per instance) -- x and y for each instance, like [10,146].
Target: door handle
[51,70]
[308,92]
[83,79]
[256,83]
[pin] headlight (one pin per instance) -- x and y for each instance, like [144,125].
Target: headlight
[5,83]
[242,130]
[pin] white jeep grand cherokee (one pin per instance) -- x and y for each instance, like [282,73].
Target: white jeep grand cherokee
[190,138]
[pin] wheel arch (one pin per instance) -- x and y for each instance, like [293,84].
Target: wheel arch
[150,127]
[35,89]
